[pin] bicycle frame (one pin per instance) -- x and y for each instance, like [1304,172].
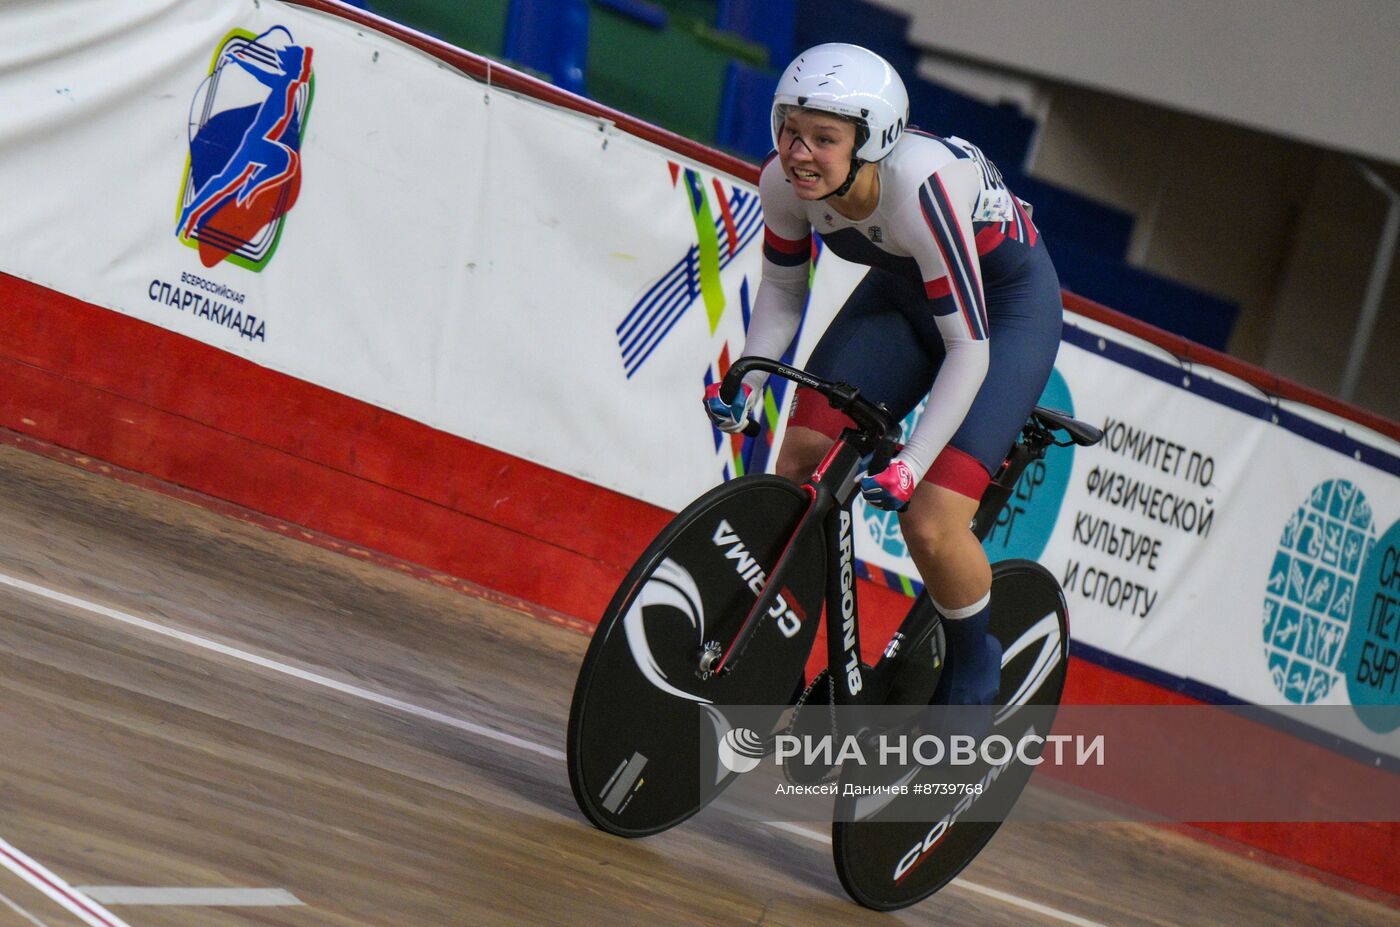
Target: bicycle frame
[831,490]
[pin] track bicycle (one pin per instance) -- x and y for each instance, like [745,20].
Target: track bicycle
[722,610]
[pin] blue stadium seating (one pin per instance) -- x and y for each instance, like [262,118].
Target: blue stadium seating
[645,12]
[771,23]
[1188,312]
[745,110]
[878,29]
[551,37]
[1002,132]
[1066,216]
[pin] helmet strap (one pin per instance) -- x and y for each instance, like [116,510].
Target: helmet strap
[862,136]
[850,180]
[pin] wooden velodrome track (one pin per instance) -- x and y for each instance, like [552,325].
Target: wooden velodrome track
[195,702]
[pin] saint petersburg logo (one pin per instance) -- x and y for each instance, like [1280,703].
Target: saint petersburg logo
[1311,593]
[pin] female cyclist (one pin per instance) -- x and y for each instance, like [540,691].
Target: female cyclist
[961,305]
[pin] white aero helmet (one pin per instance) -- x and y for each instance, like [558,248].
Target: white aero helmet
[849,81]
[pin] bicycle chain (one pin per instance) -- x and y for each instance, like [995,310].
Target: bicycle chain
[832,773]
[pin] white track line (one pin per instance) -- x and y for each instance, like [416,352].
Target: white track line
[1016,900]
[84,908]
[427,713]
[1020,902]
[7,902]
[277,666]
[191,897]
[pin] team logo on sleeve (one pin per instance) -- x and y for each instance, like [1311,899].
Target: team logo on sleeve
[246,124]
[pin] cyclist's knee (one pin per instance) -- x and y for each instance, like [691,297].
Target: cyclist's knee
[938,522]
[930,534]
[803,449]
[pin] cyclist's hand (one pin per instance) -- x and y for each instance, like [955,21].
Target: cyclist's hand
[889,489]
[733,417]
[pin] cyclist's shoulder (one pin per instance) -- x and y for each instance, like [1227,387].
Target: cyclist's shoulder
[770,175]
[920,152]
[917,157]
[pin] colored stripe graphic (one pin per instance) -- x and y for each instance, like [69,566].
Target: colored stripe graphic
[730,229]
[710,289]
[888,578]
[658,311]
[665,303]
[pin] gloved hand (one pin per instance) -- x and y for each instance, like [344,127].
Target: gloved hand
[734,417]
[889,489]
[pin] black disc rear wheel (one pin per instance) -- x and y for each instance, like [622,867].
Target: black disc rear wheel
[891,858]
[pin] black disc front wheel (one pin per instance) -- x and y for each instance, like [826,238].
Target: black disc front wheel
[643,713]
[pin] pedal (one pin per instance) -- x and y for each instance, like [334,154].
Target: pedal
[917,665]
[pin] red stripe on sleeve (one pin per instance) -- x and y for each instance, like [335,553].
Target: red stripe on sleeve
[937,289]
[801,246]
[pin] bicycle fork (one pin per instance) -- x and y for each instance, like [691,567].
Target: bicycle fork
[831,488]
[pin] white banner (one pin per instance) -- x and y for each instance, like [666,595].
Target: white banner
[329,203]
[1246,549]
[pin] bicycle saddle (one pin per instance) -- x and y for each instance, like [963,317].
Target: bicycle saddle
[1081,433]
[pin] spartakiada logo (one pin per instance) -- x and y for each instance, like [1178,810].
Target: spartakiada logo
[246,124]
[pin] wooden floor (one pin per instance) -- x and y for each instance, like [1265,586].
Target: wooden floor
[216,706]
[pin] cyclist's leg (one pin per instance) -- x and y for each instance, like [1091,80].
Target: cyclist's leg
[1024,320]
[955,569]
[870,344]
[802,451]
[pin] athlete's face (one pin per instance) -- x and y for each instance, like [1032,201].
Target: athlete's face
[815,149]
